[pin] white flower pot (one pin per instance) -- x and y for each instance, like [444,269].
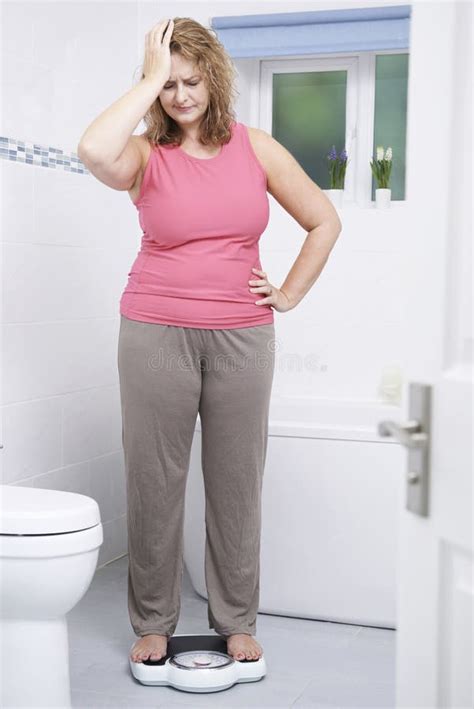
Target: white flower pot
[382,198]
[336,197]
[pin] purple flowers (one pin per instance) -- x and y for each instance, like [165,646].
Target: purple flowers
[337,168]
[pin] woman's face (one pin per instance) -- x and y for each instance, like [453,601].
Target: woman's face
[185,87]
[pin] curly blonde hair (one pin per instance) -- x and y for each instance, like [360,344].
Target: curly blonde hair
[199,45]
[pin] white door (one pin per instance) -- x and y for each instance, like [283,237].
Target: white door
[435,556]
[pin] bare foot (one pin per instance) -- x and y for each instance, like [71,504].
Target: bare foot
[243,647]
[149,647]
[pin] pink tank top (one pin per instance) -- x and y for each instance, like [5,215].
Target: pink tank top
[202,219]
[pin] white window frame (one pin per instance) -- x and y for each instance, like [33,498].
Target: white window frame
[360,110]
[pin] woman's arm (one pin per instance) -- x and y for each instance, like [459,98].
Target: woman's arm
[310,261]
[290,185]
[105,139]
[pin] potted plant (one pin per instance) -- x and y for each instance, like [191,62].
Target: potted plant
[337,173]
[381,168]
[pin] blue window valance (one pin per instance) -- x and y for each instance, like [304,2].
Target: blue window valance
[321,32]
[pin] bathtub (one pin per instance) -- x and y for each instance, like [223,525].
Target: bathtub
[332,494]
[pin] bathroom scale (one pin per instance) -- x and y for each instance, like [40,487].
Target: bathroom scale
[197,663]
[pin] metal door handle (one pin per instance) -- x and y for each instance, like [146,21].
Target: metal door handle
[409,434]
[414,435]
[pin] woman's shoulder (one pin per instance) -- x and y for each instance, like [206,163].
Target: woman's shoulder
[257,136]
[259,142]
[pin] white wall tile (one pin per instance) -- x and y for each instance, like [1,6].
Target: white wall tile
[32,438]
[44,359]
[115,542]
[62,283]
[92,424]
[107,475]
[75,209]
[70,478]
[18,221]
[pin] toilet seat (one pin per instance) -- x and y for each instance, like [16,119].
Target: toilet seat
[49,549]
[34,511]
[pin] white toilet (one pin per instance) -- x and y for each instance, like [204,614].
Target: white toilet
[49,546]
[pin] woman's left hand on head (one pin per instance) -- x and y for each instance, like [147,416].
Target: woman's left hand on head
[273,296]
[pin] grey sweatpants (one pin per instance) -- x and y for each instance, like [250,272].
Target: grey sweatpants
[167,375]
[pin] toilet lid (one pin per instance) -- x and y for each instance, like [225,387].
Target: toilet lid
[28,510]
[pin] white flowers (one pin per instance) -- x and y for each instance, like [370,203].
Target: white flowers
[380,155]
[382,166]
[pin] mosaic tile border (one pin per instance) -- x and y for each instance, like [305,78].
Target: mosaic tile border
[34,154]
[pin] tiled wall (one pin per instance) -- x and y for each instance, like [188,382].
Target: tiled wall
[44,156]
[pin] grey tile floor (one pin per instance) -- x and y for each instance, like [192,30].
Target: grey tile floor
[309,663]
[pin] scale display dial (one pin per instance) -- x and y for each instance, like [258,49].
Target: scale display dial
[201,660]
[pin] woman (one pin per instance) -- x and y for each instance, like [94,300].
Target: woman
[199,180]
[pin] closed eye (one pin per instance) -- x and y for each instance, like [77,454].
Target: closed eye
[195,84]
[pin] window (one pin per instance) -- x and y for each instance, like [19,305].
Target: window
[352,102]
[390,115]
[309,116]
